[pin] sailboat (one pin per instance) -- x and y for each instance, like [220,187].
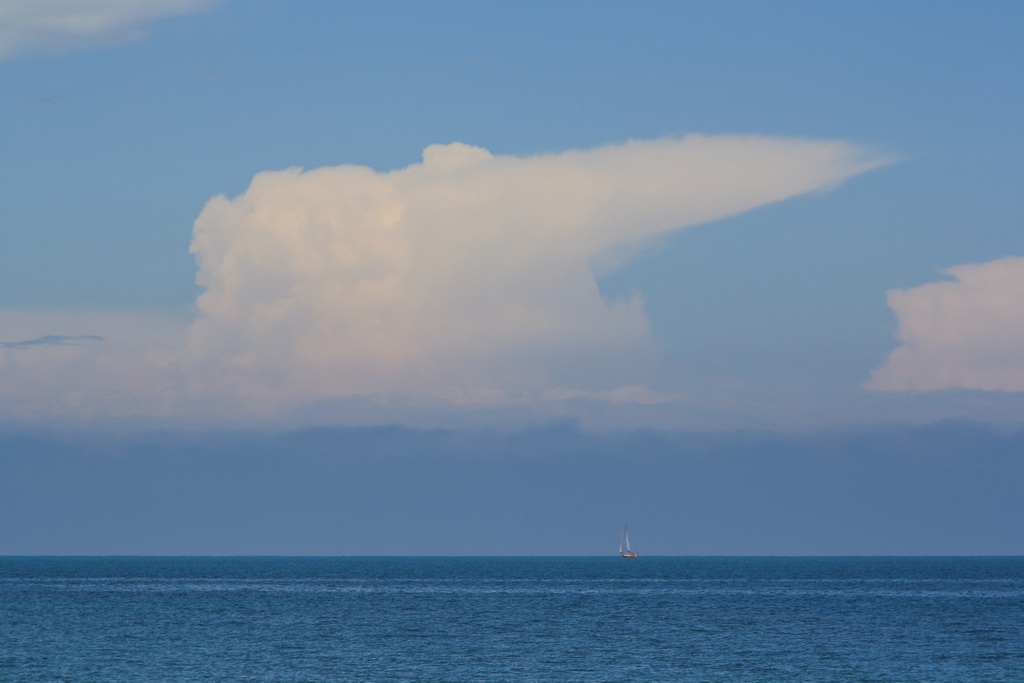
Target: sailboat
[624,548]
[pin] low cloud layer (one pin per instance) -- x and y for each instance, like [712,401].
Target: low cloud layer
[967,333]
[29,27]
[468,277]
[889,491]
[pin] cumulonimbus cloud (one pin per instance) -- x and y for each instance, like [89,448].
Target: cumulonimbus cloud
[965,333]
[467,277]
[56,26]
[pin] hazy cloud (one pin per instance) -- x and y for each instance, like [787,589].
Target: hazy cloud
[55,26]
[467,277]
[966,333]
[123,369]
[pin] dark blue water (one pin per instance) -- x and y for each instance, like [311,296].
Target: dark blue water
[512,619]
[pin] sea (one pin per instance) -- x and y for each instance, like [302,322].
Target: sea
[726,619]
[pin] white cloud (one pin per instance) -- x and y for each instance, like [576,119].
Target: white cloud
[56,26]
[463,281]
[966,333]
[467,277]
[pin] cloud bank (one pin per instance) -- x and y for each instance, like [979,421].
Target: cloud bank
[967,333]
[468,277]
[55,26]
[940,489]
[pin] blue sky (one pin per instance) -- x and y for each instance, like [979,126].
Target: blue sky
[746,220]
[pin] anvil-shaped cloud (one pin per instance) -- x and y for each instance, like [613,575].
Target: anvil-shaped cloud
[467,277]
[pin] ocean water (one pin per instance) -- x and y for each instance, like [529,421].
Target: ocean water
[511,619]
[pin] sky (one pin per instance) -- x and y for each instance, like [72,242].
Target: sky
[741,218]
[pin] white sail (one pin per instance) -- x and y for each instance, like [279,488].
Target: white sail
[624,548]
